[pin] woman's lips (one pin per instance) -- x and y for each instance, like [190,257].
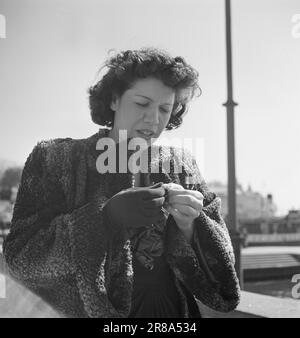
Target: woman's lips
[145,133]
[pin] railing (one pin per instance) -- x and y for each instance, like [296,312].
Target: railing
[254,305]
[20,302]
[282,238]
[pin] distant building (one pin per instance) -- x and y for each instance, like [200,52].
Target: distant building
[249,204]
[6,210]
[289,224]
[293,221]
[13,196]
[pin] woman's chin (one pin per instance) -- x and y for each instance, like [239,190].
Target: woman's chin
[138,139]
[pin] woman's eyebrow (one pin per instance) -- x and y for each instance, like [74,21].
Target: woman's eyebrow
[146,97]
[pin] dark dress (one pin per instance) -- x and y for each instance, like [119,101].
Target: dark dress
[154,292]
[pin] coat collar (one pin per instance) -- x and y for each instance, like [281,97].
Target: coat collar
[115,182]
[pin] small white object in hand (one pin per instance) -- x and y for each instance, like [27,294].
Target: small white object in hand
[169,187]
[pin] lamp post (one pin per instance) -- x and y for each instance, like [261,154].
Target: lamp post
[230,104]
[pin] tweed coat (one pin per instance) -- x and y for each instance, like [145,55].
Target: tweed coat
[62,247]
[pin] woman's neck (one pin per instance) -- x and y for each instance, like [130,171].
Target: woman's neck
[118,135]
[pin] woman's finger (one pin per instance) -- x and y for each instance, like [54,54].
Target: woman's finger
[197,194]
[186,210]
[156,185]
[153,193]
[154,203]
[173,186]
[186,200]
[178,215]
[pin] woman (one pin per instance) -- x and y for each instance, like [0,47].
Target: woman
[118,243]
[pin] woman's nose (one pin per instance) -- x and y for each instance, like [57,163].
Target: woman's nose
[152,116]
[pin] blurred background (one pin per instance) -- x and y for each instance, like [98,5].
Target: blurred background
[50,52]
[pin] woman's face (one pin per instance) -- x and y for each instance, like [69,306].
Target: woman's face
[143,110]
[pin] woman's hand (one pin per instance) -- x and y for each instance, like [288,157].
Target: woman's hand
[184,205]
[136,207]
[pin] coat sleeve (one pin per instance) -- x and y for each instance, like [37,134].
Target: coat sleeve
[47,246]
[206,266]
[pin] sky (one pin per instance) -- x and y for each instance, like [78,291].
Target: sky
[52,50]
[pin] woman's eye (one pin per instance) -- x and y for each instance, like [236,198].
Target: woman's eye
[141,104]
[146,104]
[165,111]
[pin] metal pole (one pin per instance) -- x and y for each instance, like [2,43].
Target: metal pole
[230,104]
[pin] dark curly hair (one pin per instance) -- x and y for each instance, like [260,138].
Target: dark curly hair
[128,66]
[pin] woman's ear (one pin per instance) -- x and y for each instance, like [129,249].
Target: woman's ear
[114,102]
